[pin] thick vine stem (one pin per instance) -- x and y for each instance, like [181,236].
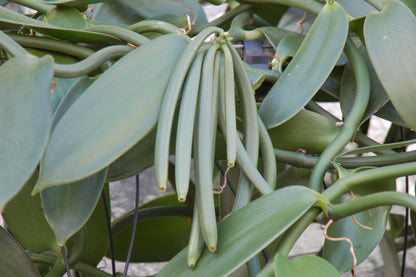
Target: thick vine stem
[121,33]
[153,26]
[344,185]
[59,46]
[368,176]
[371,201]
[359,137]
[10,46]
[352,121]
[58,268]
[237,32]
[300,159]
[92,62]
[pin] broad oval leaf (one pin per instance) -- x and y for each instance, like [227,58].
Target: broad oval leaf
[13,260]
[66,17]
[274,35]
[71,94]
[25,116]
[145,8]
[245,233]
[393,55]
[310,67]
[291,135]
[114,113]
[364,241]
[68,207]
[307,265]
[97,232]
[24,217]
[112,12]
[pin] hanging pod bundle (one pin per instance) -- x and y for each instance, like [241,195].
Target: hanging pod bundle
[207,79]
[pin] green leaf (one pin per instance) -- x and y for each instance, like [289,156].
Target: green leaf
[244,233]
[271,13]
[68,207]
[10,17]
[137,159]
[288,48]
[294,176]
[391,263]
[274,35]
[13,260]
[25,116]
[364,241]
[307,72]
[73,2]
[255,76]
[161,233]
[410,4]
[291,135]
[69,95]
[97,232]
[393,55]
[376,148]
[114,113]
[332,85]
[145,8]
[66,17]
[378,97]
[311,266]
[356,8]
[112,12]
[389,112]
[62,84]
[396,223]
[24,216]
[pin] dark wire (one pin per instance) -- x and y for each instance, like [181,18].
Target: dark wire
[133,232]
[406,217]
[228,180]
[110,233]
[68,270]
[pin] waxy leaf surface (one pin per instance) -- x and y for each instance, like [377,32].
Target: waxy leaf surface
[310,67]
[114,113]
[391,44]
[25,116]
[13,260]
[68,207]
[307,265]
[245,233]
